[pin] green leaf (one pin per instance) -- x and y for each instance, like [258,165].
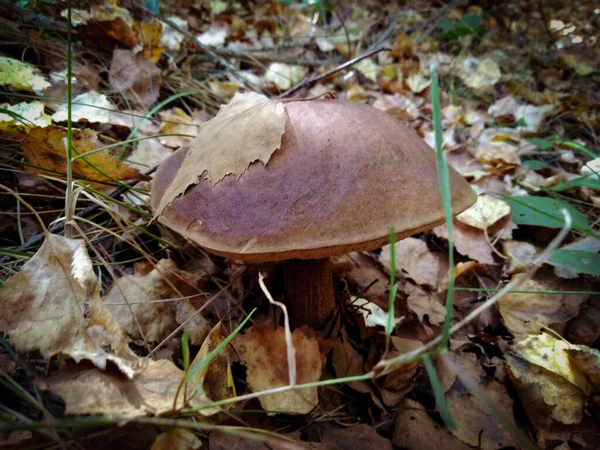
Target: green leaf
[580,260]
[577,182]
[542,144]
[535,164]
[521,122]
[544,212]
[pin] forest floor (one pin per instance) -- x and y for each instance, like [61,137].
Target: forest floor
[116,332]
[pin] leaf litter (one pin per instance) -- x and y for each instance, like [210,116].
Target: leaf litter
[520,132]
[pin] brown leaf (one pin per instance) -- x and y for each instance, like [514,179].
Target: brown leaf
[348,438]
[423,303]
[156,318]
[468,241]
[528,313]
[45,149]
[414,260]
[347,362]
[416,430]
[87,390]
[53,304]
[474,425]
[136,77]
[263,352]
[230,142]
[214,378]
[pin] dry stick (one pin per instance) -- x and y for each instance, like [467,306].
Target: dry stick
[58,227]
[386,366]
[309,82]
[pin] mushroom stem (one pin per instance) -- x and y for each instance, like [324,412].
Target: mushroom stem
[308,285]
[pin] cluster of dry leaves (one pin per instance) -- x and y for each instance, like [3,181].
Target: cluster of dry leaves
[109,331]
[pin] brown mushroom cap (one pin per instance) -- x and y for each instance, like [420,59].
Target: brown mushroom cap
[345,173]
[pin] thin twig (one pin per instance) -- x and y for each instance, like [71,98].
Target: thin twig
[310,82]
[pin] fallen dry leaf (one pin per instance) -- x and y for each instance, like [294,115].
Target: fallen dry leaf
[349,438]
[214,378]
[87,390]
[143,293]
[53,305]
[545,395]
[177,121]
[474,425]
[548,352]
[263,352]
[20,75]
[521,255]
[416,430]
[88,107]
[347,362]
[149,37]
[414,260]
[212,156]
[423,303]
[587,361]
[486,212]
[284,76]
[468,241]
[44,151]
[136,77]
[177,439]
[479,74]
[529,313]
[26,116]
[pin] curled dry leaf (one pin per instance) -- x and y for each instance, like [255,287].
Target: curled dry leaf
[53,304]
[87,390]
[214,157]
[263,351]
[143,293]
[528,313]
[414,260]
[44,151]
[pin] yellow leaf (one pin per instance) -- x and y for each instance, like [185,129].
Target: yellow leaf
[44,151]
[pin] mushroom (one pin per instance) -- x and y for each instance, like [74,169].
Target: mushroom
[344,174]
